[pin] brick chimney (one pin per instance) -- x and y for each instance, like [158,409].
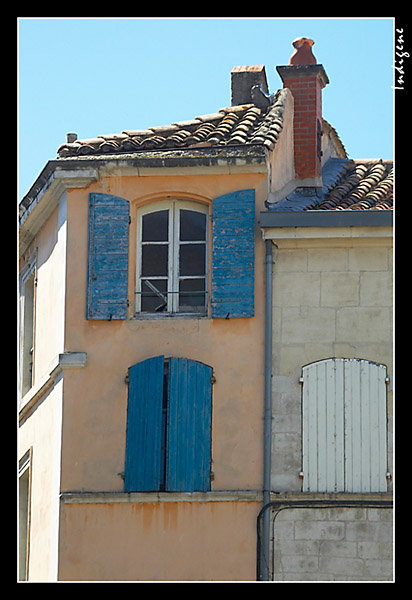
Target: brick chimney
[243,79]
[306,79]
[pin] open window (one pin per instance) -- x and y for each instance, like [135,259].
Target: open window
[172,270]
[172,258]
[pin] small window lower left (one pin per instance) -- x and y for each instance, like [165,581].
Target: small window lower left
[24,514]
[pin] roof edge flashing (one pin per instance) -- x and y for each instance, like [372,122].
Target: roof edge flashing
[324,218]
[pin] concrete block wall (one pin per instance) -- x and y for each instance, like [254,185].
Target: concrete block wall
[333,544]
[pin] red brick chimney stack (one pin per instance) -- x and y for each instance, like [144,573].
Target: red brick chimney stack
[306,79]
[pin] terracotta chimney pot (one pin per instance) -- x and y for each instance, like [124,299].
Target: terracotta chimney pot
[303,52]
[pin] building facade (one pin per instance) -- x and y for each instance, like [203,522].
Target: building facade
[159,345]
[332,360]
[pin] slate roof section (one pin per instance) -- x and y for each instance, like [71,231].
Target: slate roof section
[242,124]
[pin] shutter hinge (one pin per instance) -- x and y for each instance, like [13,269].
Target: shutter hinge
[127,379]
[213,379]
[130,219]
[301,380]
[212,476]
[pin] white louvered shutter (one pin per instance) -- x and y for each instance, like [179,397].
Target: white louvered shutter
[344,426]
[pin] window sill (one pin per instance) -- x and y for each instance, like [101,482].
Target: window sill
[157,317]
[66,360]
[281,498]
[129,497]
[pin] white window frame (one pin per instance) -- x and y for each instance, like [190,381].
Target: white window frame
[25,468]
[173,243]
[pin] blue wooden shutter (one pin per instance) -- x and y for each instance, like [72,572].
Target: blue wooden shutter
[144,426]
[108,257]
[233,266]
[188,437]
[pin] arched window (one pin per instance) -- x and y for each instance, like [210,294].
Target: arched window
[344,419]
[169,416]
[172,270]
[171,261]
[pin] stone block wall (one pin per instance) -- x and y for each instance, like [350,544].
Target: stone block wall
[331,298]
[333,544]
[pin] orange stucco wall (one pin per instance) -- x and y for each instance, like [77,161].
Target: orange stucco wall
[161,541]
[139,540]
[94,418]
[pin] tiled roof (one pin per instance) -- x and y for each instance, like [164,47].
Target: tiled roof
[243,124]
[347,185]
[359,185]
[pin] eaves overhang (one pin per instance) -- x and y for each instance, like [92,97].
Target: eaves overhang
[79,172]
[242,155]
[43,197]
[323,218]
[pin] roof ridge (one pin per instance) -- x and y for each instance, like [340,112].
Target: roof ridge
[238,124]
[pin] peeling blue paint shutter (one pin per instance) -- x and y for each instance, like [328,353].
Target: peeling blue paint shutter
[189,417]
[108,257]
[233,266]
[144,426]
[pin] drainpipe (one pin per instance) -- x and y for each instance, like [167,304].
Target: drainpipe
[267,436]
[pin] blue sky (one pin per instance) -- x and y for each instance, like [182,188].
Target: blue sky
[103,75]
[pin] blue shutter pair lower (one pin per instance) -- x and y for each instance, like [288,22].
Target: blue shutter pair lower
[233,256]
[184,464]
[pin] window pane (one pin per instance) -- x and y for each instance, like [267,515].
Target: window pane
[192,259]
[156,226]
[154,295]
[192,295]
[28,332]
[24,494]
[154,260]
[192,226]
